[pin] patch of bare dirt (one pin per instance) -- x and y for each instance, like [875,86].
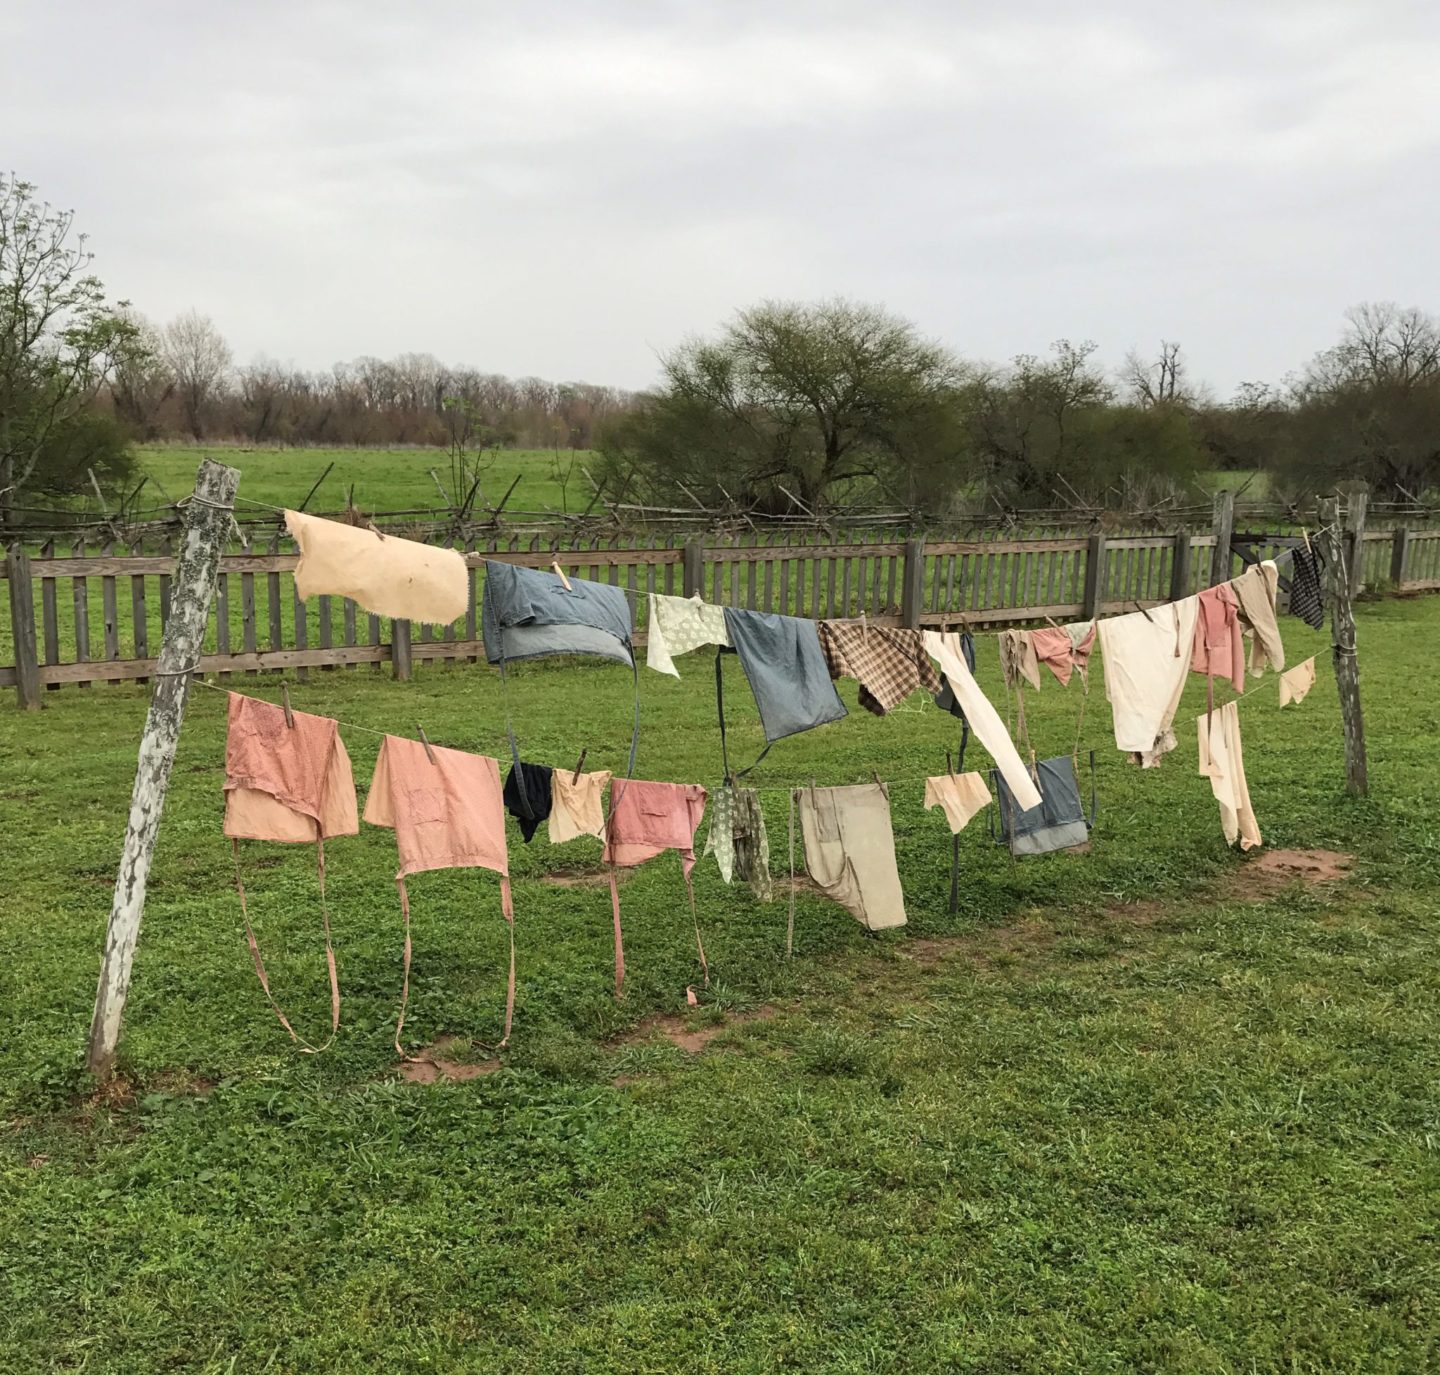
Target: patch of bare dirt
[1272,871]
[1136,913]
[985,947]
[590,878]
[435,1065]
[691,1039]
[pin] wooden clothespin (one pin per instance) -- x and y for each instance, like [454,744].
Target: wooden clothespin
[285,697]
[425,740]
[1304,532]
[1144,613]
[560,573]
[949,762]
[1050,620]
[864,630]
[875,775]
[580,764]
[375,530]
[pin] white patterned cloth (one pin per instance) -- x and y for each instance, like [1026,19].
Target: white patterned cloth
[678,625]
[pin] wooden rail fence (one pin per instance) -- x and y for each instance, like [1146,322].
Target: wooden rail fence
[86,616]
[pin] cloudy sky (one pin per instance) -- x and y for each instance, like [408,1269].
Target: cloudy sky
[564,189]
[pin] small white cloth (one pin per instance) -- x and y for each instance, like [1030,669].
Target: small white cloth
[984,720]
[678,625]
[386,575]
[1223,762]
[1147,663]
[1297,682]
[960,794]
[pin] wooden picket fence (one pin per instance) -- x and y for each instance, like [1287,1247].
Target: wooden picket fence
[84,617]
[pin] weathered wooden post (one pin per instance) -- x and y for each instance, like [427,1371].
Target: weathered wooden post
[912,590]
[22,628]
[207,529]
[1399,552]
[1180,568]
[1356,503]
[1224,532]
[692,567]
[1338,583]
[400,661]
[1094,593]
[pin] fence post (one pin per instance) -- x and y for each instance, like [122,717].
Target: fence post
[1180,568]
[22,628]
[692,568]
[400,651]
[1224,531]
[1342,634]
[912,590]
[1399,551]
[1094,577]
[208,522]
[1355,507]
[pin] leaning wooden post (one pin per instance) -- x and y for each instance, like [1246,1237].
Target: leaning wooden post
[207,530]
[1342,633]
[1224,531]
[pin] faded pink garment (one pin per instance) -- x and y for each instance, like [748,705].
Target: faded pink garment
[646,819]
[1219,644]
[1061,652]
[290,782]
[447,812]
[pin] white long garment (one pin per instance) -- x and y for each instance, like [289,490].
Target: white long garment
[1223,762]
[1147,662]
[984,720]
[678,625]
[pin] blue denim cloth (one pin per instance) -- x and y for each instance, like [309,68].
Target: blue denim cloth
[1058,823]
[782,658]
[528,613]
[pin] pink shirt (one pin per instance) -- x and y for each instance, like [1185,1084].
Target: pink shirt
[1219,645]
[646,819]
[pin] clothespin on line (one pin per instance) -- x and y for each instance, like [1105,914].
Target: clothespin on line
[1144,613]
[864,630]
[375,530]
[580,764]
[560,573]
[1050,620]
[1306,534]
[949,762]
[425,740]
[876,776]
[285,697]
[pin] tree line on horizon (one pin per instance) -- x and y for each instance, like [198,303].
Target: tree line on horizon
[789,406]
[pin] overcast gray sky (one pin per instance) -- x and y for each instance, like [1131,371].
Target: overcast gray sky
[564,189]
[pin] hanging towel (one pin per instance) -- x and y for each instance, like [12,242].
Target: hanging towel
[577,805]
[386,575]
[752,844]
[679,625]
[785,665]
[981,716]
[1222,761]
[850,851]
[1147,661]
[646,819]
[446,811]
[529,613]
[889,663]
[288,782]
[960,794]
[1297,682]
[1306,599]
[527,796]
[1255,591]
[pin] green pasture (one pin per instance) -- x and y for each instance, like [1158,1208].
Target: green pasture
[1139,1109]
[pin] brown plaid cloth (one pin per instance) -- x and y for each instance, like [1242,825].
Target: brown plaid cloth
[887,662]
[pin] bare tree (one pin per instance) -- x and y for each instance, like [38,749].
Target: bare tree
[1158,381]
[199,357]
[142,381]
[265,387]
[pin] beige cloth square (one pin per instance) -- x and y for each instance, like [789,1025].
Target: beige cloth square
[960,794]
[1297,682]
[577,805]
[386,575]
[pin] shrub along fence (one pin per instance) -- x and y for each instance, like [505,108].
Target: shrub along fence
[82,617]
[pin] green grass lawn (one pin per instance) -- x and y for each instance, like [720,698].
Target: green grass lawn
[1127,1111]
[384,479]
